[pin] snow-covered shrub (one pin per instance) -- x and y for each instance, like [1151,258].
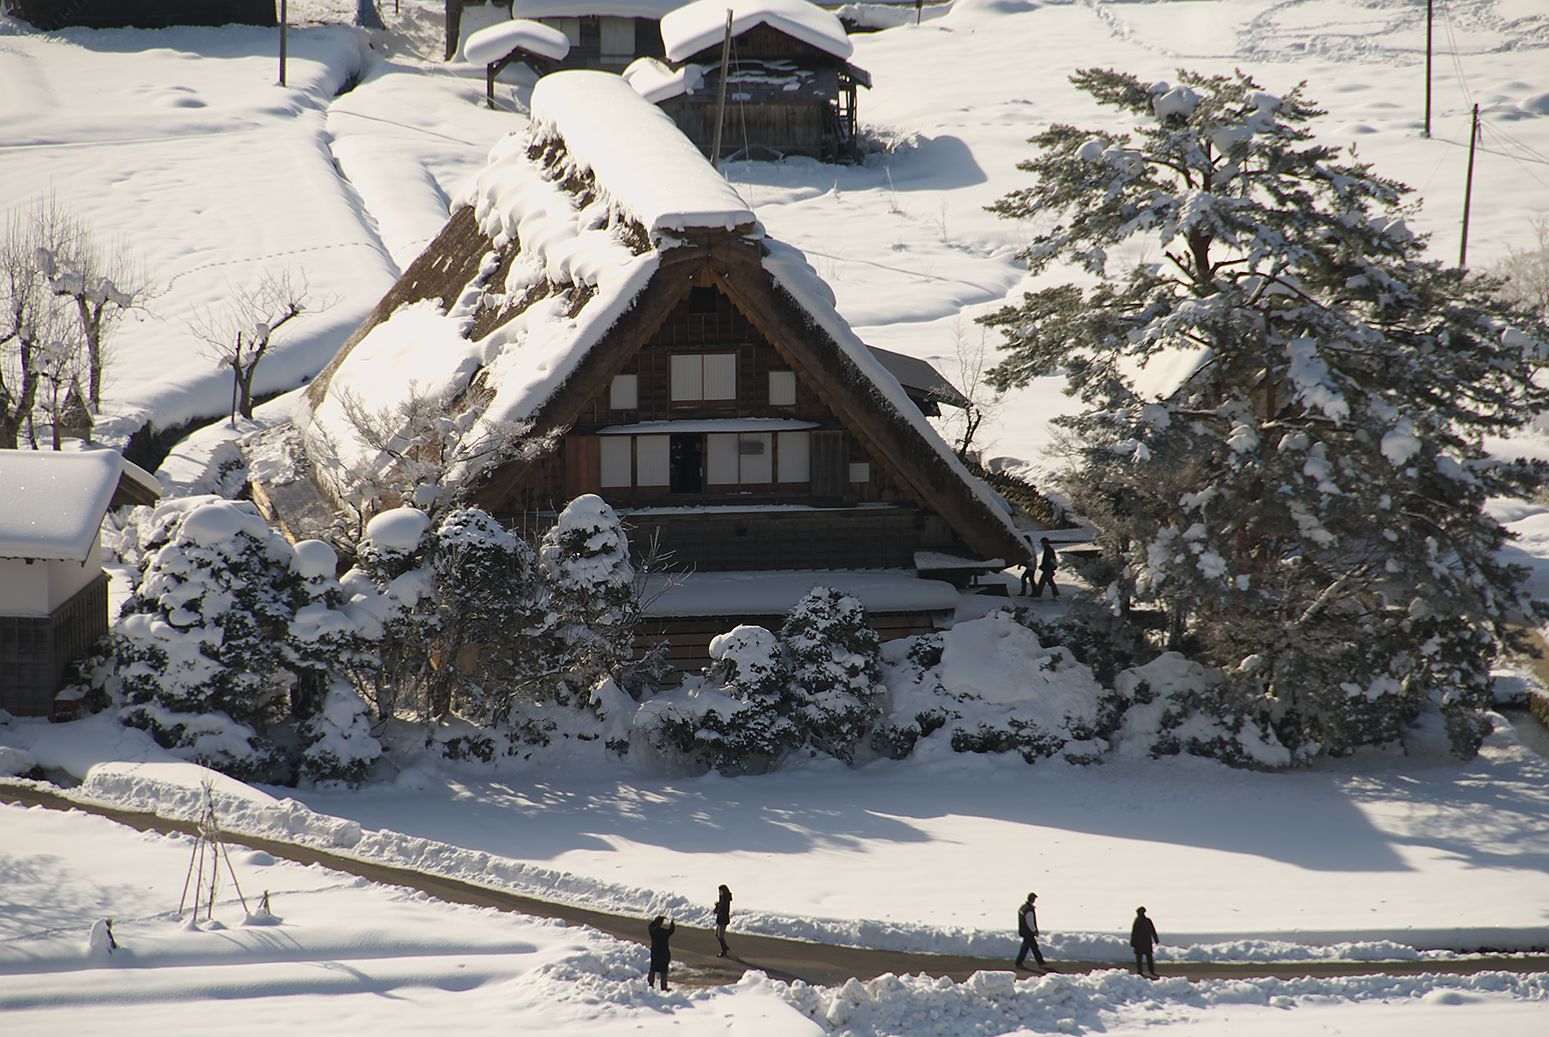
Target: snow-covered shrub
[494,620]
[833,656]
[585,557]
[203,652]
[990,686]
[733,719]
[339,745]
[1178,706]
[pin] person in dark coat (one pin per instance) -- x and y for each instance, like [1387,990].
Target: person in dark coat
[661,931]
[1046,567]
[1142,940]
[1027,928]
[723,918]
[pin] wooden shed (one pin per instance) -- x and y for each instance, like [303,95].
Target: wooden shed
[789,87]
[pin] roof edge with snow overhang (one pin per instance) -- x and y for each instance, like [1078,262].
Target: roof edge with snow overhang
[57,500]
[697,26]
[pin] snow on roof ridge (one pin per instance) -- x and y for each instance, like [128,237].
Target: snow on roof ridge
[578,8]
[56,501]
[694,27]
[635,153]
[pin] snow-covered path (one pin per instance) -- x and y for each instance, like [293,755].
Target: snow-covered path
[784,959]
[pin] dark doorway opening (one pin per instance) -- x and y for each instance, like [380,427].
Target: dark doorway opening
[688,464]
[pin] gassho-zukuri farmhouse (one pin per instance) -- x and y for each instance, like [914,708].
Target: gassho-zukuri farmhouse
[604,314]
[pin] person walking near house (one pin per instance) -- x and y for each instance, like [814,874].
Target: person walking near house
[1046,567]
[661,931]
[722,919]
[1027,928]
[1143,940]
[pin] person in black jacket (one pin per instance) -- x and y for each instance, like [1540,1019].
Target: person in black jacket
[1046,567]
[1142,940]
[1027,928]
[723,918]
[661,931]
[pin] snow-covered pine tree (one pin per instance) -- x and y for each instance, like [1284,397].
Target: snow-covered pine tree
[323,643]
[201,648]
[1285,404]
[495,619]
[834,660]
[592,592]
[392,582]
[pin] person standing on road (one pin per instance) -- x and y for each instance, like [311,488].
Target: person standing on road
[723,918]
[661,930]
[1027,928]
[1046,567]
[1143,940]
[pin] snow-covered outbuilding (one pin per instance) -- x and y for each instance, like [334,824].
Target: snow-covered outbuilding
[603,34]
[602,284]
[541,47]
[790,88]
[53,592]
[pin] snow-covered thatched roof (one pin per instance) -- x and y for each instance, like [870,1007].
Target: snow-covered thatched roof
[55,501]
[489,45]
[700,25]
[568,249]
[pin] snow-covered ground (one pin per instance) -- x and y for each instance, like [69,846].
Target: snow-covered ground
[180,144]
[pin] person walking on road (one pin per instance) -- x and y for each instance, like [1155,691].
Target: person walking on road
[723,919]
[1143,940]
[661,930]
[1046,567]
[1027,928]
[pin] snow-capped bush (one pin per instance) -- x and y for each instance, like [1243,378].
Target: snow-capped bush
[989,685]
[585,557]
[1177,706]
[733,719]
[339,743]
[204,656]
[834,659]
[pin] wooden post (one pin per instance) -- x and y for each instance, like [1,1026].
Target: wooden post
[284,17]
[1468,187]
[720,101]
[1430,11]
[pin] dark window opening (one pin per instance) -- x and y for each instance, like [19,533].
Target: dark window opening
[688,464]
[703,300]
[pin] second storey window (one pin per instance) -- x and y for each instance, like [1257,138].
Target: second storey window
[624,394]
[704,376]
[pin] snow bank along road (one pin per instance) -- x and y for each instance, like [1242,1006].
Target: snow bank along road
[695,949]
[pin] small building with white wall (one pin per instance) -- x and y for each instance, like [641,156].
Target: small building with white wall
[53,592]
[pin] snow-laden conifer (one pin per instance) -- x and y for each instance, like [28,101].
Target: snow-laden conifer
[592,591]
[834,660]
[202,648]
[1286,404]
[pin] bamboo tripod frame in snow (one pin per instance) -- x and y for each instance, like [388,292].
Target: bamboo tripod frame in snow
[208,845]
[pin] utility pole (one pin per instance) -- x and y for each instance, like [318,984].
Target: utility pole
[1468,187]
[720,101]
[284,17]
[1430,12]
